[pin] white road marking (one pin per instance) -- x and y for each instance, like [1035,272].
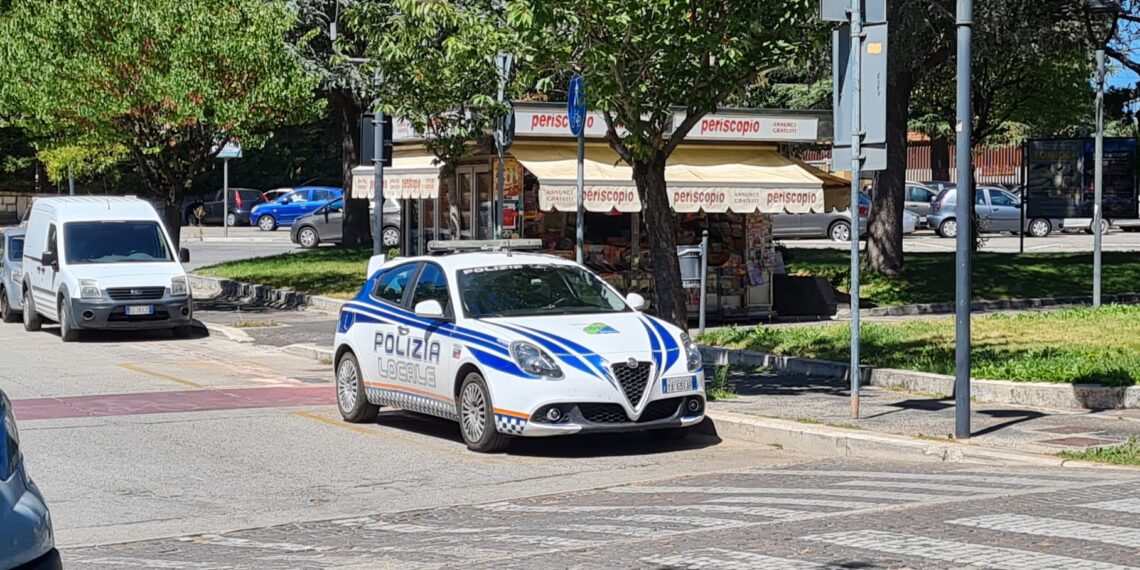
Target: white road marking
[1122,506]
[749,511]
[928,486]
[976,555]
[707,522]
[124,562]
[369,523]
[218,540]
[539,540]
[1057,528]
[995,479]
[885,495]
[635,531]
[722,559]
[796,502]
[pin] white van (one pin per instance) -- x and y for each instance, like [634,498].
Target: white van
[102,263]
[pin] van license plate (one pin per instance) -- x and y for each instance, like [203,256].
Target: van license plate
[672,385]
[135,310]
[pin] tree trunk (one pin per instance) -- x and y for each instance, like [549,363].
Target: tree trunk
[884,236]
[939,158]
[661,232]
[172,216]
[356,225]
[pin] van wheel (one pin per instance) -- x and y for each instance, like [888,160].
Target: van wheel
[67,330]
[6,313]
[477,417]
[32,321]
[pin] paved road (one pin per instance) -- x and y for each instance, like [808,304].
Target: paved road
[208,246]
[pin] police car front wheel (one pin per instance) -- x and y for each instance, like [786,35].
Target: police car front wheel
[477,417]
[350,398]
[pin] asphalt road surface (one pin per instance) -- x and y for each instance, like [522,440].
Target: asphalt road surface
[208,245]
[208,454]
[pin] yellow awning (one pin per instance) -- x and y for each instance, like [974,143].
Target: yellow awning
[413,174]
[709,178]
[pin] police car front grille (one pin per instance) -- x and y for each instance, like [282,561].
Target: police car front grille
[136,293]
[603,413]
[633,380]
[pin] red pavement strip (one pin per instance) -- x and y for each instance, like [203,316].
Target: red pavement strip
[172,402]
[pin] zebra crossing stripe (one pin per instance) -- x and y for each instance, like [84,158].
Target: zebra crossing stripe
[1056,528]
[795,502]
[705,522]
[723,559]
[766,512]
[976,555]
[634,531]
[1121,506]
[927,486]
[885,495]
[996,479]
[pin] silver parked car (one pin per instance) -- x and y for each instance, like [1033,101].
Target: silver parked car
[26,538]
[11,273]
[325,223]
[834,225]
[997,209]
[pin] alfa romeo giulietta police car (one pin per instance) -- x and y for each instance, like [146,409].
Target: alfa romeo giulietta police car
[510,343]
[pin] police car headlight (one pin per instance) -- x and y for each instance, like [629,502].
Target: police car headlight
[534,360]
[178,287]
[692,353]
[89,289]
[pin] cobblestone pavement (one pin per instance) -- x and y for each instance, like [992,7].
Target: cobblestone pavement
[836,514]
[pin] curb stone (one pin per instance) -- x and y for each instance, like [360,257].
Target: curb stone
[318,353]
[837,442]
[1028,394]
[214,287]
[990,306]
[230,333]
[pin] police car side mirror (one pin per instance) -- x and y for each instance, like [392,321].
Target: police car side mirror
[636,301]
[430,309]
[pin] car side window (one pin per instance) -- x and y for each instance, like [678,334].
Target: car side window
[335,207]
[1001,199]
[980,197]
[322,195]
[393,284]
[432,286]
[919,194]
[51,241]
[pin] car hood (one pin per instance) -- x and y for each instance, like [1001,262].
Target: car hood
[129,274]
[608,335]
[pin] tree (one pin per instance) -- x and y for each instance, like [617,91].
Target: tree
[644,58]
[437,60]
[343,87]
[166,79]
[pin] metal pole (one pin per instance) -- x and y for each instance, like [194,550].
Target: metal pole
[226,198]
[502,183]
[378,182]
[965,222]
[856,166]
[581,234]
[1099,177]
[70,182]
[420,226]
[704,278]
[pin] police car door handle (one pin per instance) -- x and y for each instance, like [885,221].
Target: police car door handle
[402,330]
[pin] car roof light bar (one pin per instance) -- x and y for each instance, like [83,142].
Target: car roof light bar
[466,246]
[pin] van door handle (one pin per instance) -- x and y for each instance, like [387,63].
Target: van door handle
[402,330]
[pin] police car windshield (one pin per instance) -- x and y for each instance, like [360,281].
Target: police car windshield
[115,242]
[534,290]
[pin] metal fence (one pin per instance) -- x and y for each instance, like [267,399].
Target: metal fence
[1000,165]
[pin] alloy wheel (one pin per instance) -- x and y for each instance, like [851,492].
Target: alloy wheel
[474,412]
[391,237]
[347,381]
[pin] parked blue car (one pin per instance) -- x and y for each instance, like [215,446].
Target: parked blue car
[26,539]
[283,211]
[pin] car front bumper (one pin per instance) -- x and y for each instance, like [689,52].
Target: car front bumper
[577,419]
[107,314]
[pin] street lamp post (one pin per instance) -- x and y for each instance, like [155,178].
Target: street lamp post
[1106,10]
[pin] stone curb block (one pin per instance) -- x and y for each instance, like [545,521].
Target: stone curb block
[1028,394]
[317,353]
[989,306]
[230,333]
[210,287]
[836,442]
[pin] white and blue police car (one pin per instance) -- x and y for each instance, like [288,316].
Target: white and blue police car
[509,343]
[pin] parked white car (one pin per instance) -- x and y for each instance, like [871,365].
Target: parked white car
[102,263]
[512,344]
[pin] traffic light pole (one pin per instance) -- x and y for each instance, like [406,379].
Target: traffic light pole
[378,178]
[1098,196]
[856,167]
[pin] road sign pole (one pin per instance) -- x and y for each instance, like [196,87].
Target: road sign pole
[856,165]
[226,198]
[965,223]
[580,231]
[704,280]
[1098,197]
[378,181]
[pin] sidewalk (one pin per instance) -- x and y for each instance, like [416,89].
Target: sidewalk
[810,401]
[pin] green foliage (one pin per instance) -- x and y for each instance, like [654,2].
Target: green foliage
[719,388]
[1099,346]
[1123,454]
[165,79]
[81,161]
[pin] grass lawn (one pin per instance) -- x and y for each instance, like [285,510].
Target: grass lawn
[1071,346]
[929,277]
[1124,454]
[331,271]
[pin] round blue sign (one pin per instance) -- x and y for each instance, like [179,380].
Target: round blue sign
[576,105]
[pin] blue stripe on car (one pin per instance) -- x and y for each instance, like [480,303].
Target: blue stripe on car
[672,349]
[388,315]
[654,344]
[558,351]
[501,364]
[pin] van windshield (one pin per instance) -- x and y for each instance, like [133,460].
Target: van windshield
[115,242]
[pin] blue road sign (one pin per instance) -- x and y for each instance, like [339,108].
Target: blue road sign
[230,150]
[576,105]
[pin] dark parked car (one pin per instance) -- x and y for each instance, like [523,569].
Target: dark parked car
[211,210]
[324,225]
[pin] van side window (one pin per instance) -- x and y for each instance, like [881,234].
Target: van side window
[51,241]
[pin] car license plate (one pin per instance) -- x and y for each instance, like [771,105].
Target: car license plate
[135,310]
[671,385]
